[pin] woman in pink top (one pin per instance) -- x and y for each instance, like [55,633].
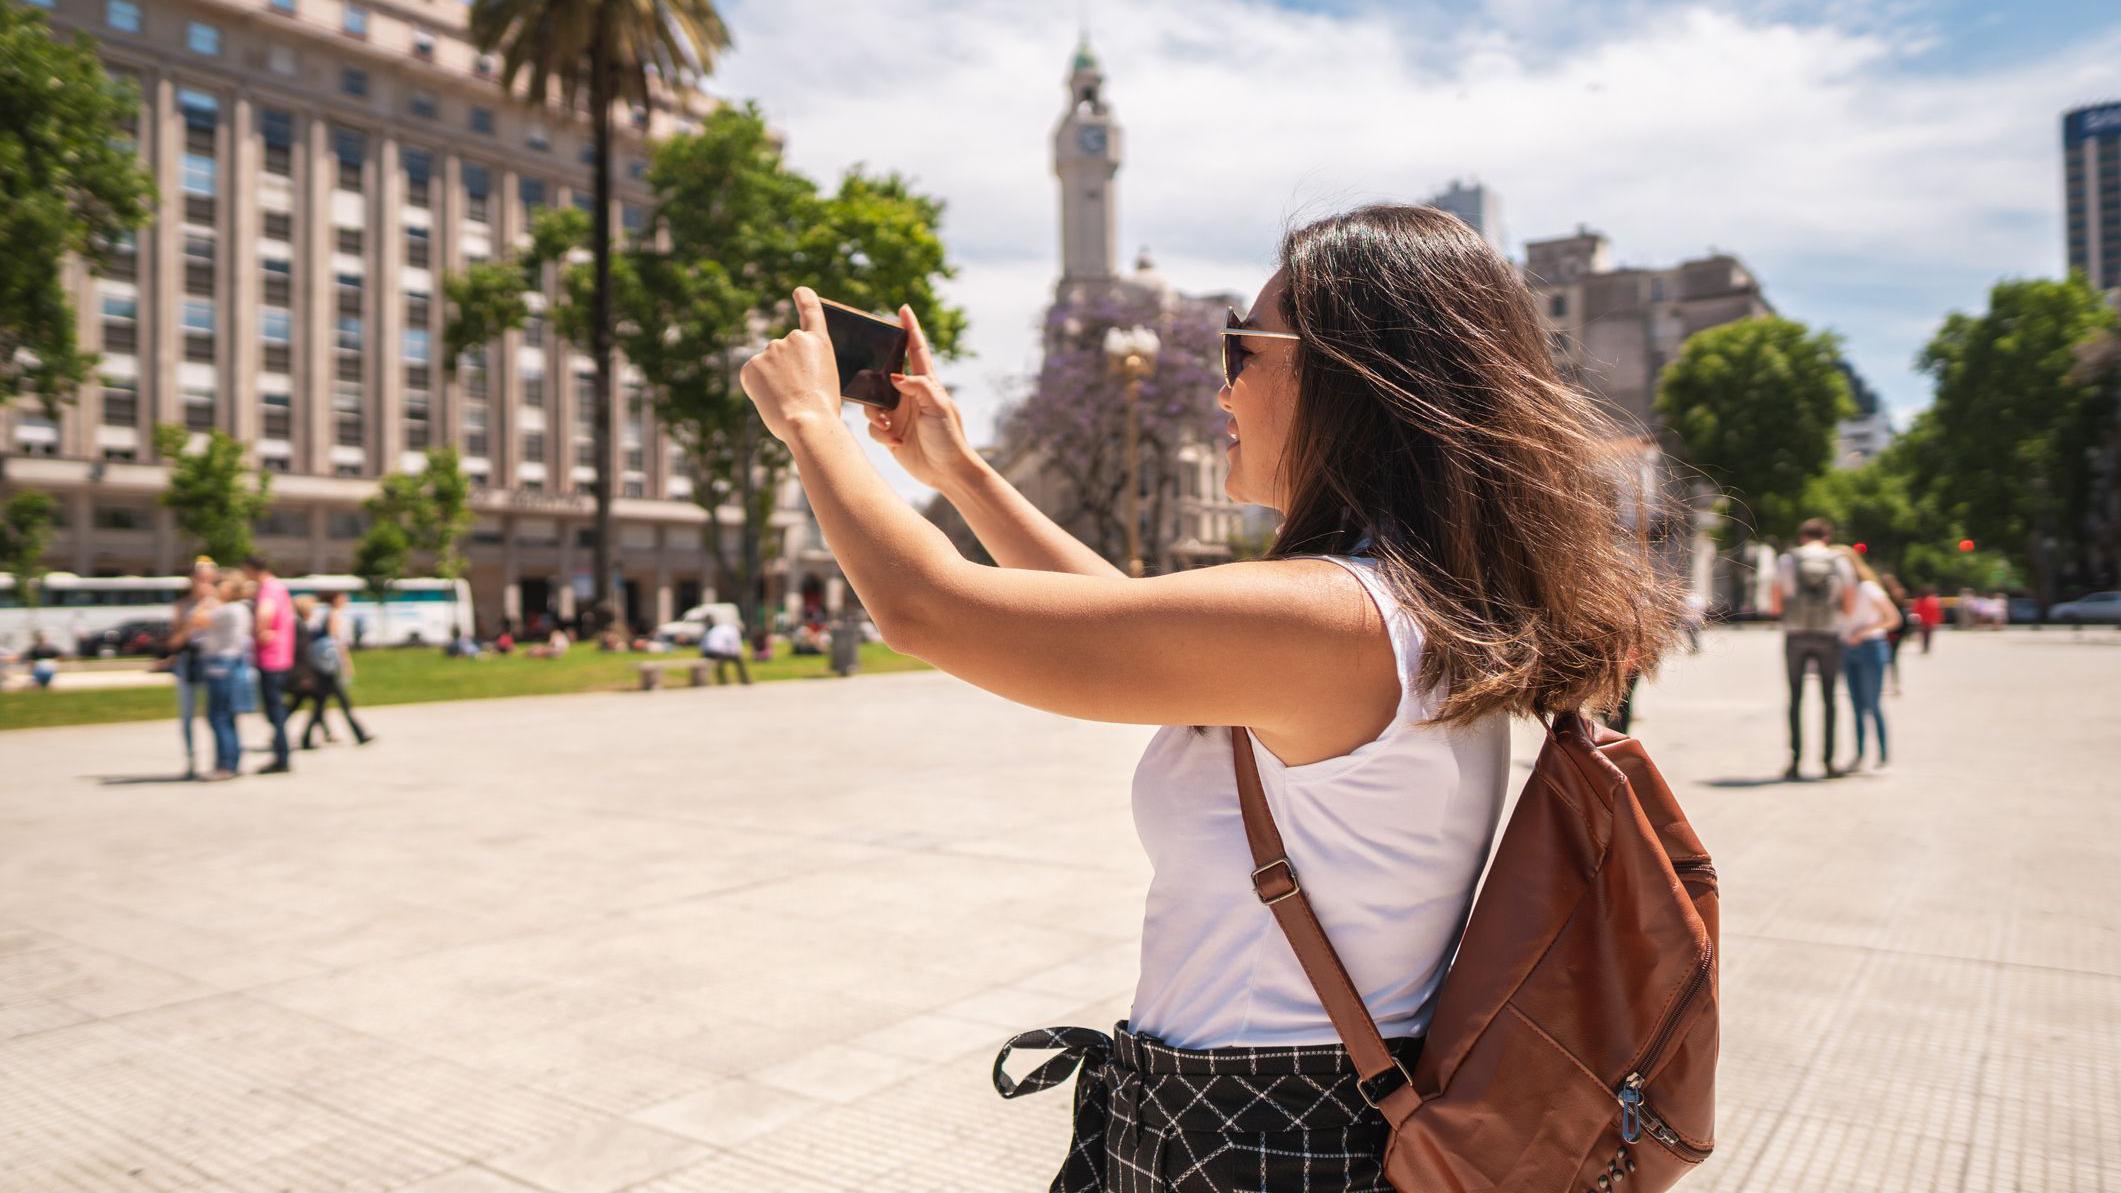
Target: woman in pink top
[276,655]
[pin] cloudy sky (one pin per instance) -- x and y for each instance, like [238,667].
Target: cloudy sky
[1877,162]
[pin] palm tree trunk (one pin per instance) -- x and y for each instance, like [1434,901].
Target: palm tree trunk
[605,433]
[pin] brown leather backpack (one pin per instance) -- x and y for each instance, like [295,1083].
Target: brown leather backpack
[1573,1044]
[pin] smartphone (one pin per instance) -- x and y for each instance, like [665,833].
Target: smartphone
[869,349]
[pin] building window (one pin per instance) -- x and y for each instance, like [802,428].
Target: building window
[346,417]
[285,8]
[353,82]
[121,402]
[351,148]
[475,439]
[279,280]
[277,128]
[1558,305]
[344,527]
[423,44]
[279,225]
[482,120]
[122,15]
[637,169]
[203,38]
[534,446]
[198,408]
[279,414]
[539,138]
[419,177]
[199,331]
[199,175]
[355,21]
[121,329]
[199,266]
[423,103]
[417,344]
[350,241]
[534,392]
[632,218]
[349,333]
[532,192]
[482,66]
[416,247]
[275,325]
[119,517]
[280,60]
[476,183]
[417,308]
[584,202]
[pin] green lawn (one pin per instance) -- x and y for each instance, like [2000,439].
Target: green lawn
[411,676]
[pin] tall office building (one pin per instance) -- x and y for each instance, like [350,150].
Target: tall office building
[2091,180]
[1478,206]
[322,166]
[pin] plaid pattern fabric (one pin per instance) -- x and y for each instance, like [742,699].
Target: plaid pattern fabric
[1150,1118]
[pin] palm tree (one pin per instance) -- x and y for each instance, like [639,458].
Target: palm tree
[604,51]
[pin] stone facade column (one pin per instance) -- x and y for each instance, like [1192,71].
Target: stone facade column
[240,285]
[319,540]
[445,208]
[315,300]
[386,205]
[81,527]
[161,397]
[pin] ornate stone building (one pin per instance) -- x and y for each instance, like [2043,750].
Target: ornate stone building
[1187,519]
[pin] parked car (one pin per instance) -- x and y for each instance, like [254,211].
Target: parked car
[2025,611]
[689,629]
[2100,608]
[144,636]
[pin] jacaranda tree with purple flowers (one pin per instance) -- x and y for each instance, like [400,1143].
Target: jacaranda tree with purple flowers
[1075,415]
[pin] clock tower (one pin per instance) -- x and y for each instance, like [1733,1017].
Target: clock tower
[1086,156]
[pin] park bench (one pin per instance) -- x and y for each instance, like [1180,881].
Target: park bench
[652,673]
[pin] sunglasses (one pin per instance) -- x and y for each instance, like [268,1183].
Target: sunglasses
[1235,355]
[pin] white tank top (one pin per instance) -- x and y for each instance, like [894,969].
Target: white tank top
[1388,842]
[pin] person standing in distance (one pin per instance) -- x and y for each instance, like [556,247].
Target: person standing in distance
[1815,592]
[276,655]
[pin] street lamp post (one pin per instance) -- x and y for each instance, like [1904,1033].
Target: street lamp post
[1131,352]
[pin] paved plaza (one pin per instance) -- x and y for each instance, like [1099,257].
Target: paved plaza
[768,938]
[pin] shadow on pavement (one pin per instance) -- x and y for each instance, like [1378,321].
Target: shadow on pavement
[1773,781]
[139,780]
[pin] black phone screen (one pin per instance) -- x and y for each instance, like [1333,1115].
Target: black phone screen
[868,350]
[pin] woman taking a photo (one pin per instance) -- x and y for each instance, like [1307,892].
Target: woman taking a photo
[1450,556]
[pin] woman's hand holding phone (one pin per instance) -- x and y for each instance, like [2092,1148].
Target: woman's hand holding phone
[795,379]
[925,433]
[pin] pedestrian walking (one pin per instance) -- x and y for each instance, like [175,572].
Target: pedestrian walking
[275,615]
[1929,614]
[320,664]
[188,619]
[1445,562]
[1814,594]
[1871,619]
[1905,611]
[226,646]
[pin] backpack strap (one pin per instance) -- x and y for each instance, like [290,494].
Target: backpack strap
[1385,1083]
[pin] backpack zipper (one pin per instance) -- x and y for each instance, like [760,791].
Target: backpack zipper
[1635,1112]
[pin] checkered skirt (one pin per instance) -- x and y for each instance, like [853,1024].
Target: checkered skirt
[1150,1118]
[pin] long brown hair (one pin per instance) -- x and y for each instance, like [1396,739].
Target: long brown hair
[1430,417]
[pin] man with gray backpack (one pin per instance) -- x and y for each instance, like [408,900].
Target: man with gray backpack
[1815,592]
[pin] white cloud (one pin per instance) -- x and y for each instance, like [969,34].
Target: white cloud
[1868,190]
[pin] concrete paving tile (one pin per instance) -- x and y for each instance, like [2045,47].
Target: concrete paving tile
[837,1072]
[598,1158]
[470,1179]
[727,1113]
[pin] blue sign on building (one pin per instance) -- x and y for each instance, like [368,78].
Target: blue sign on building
[2085,123]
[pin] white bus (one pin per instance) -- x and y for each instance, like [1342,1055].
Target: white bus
[72,607]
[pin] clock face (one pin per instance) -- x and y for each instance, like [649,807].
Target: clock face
[1091,137]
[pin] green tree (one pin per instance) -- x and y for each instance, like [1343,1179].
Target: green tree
[600,53]
[734,231]
[1754,404]
[381,557]
[412,514]
[2009,448]
[214,492]
[25,536]
[70,186]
